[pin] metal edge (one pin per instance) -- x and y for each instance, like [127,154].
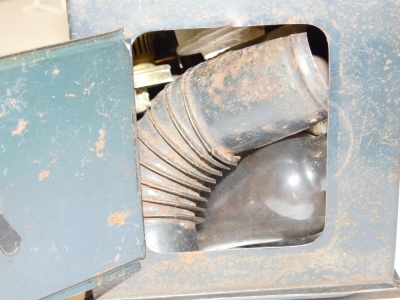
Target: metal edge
[95,281]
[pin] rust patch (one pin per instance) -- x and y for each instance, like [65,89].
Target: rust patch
[117,218]
[190,257]
[366,206]
[268,128]
[56,71]
[100,281]
[20,128]
[117,257]
[70,95]
[35,61]
[393,177]
[43,175]
[101,143]
[13,102]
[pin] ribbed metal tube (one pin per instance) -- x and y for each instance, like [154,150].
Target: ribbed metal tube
[200,123]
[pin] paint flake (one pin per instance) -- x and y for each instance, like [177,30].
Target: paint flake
[43,175]
[117,218]
[20,128]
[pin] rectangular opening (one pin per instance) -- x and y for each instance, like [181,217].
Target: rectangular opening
[232,126]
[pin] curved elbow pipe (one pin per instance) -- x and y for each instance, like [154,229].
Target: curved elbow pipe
[200,123]
[284,207]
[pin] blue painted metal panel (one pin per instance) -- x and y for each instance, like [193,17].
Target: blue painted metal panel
[356,249]
[68,180]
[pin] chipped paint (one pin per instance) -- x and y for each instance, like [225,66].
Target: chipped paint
[13,102]
[100,281]
[191,257]
[56,71]
[41,169]
[43,175]
[268,128]
[53,156]
[101,143]
[20,128]
[36,61]
[393,177]
[70,95]
[117,218]
[117,257]
[86,91]
[342,256]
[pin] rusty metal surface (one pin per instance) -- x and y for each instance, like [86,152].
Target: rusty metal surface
[356,249]
[184,193]
[156,194]
[228,117]
[159,116]
[154,210]
[68,167]
[180,203]
[173,101]
[247,98]
[155,179]
[149,136]
[152,162]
